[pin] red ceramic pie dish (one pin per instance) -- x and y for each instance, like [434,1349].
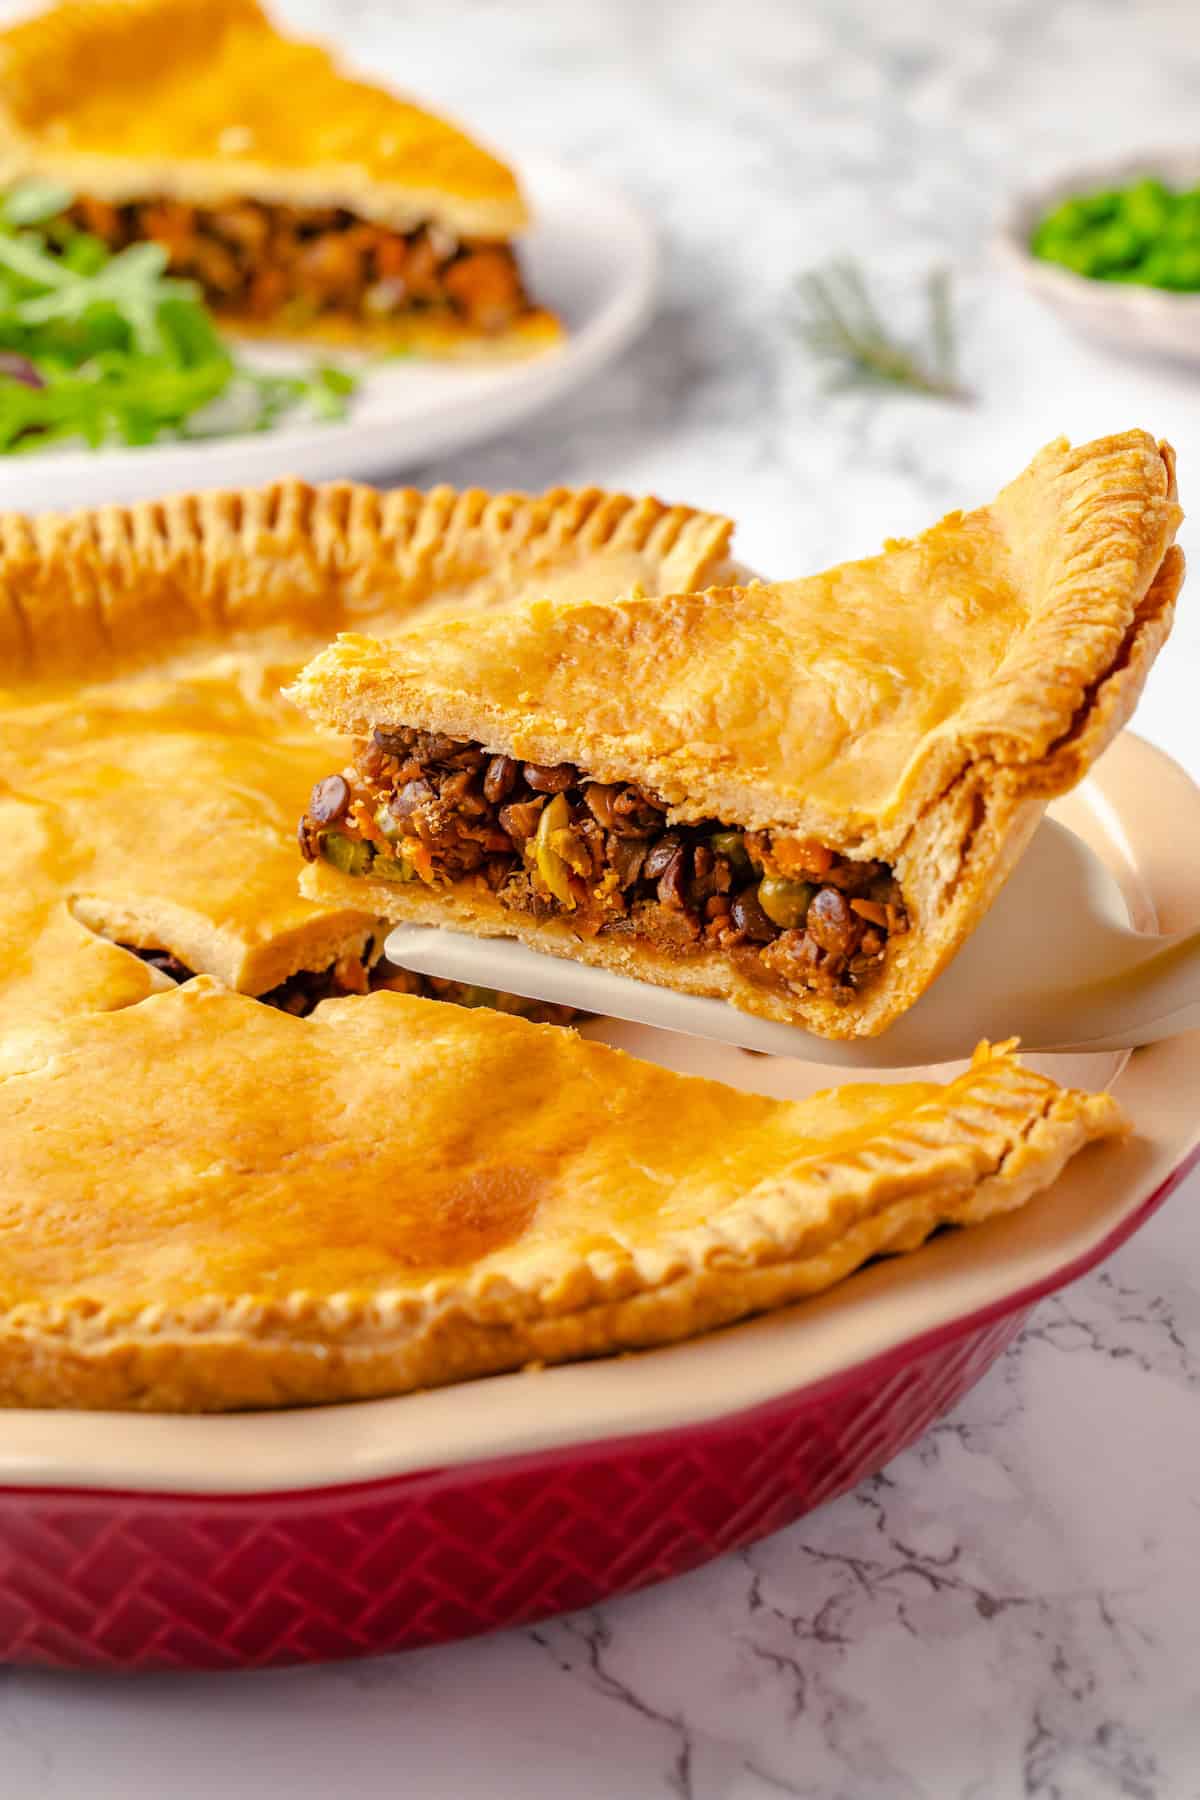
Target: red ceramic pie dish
[140,1542]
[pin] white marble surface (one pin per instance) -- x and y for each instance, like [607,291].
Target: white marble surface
[1013,1607]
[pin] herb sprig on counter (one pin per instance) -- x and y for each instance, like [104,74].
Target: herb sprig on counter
[837,320]
[105,348]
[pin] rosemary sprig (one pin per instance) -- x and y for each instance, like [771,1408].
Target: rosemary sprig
[838,321]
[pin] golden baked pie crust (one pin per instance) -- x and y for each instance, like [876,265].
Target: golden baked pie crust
[150,773]
[205,102]
[920,707]
[209,1204]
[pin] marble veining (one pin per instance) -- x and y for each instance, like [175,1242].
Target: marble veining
[1011,1608]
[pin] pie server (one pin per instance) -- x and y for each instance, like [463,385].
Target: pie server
[1054,963]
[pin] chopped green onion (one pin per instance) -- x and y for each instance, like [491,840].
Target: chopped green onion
[1146,233]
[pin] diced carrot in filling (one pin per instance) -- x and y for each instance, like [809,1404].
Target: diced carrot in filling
[257,261]
[550,841]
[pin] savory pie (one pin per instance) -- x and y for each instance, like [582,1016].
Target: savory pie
[304,202]
[150,773]
[395,1193]
[799,796]
[208,1203]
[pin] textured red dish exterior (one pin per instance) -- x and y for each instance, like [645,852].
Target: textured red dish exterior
[151,1581]
[103,1579]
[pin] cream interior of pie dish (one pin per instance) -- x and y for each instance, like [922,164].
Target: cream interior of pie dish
[1135,811]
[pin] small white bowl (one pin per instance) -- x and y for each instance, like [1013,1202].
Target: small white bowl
[1130,316]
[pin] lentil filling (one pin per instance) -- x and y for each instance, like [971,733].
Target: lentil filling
[261,262]
[367,974]
[549,841]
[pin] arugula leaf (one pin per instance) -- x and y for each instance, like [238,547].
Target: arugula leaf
[34,201]
[122,352]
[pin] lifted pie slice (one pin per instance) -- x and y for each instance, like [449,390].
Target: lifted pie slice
[305,203]
[394,1193]
[799,796]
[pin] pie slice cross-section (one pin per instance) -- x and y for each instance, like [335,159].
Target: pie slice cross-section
[799,796]
[306,203]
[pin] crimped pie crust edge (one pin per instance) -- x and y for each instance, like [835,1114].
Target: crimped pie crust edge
[985,1145]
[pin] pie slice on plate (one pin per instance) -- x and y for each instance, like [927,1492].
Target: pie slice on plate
[306,203]
[799,796]
[394,1193]
[150,774]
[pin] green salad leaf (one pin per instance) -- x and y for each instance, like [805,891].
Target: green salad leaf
[34,201]
[104,347]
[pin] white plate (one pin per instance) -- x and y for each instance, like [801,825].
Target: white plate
[590,258]
[1129,316]
[1140,813]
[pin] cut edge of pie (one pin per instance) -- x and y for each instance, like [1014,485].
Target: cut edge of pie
[896,1165]
[308,203]
[1088,532]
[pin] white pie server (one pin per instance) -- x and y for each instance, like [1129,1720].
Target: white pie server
[1054,963]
